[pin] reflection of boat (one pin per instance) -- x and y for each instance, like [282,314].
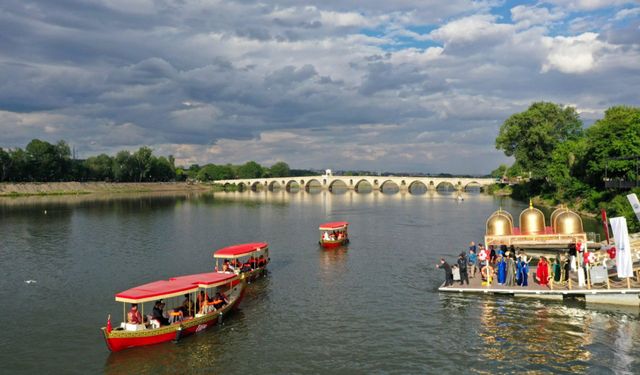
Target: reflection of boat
[334,234]
[250,259]
[129,335]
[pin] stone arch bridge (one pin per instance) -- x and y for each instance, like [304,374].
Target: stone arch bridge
[376,183]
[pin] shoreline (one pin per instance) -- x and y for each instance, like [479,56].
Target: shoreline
[11,190]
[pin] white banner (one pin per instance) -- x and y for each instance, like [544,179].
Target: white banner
[633,199]
[623,247]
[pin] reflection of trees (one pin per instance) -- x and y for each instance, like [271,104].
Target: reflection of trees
[535,336]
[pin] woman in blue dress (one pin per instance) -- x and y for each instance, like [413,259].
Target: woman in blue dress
[502,270]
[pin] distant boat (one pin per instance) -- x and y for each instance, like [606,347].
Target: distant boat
[334,234]
[249,259]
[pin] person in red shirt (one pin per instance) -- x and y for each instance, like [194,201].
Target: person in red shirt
[542,272]
[134,316]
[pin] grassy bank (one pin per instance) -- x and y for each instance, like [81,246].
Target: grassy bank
[77,188]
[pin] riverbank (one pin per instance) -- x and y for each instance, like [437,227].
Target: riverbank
[77,188]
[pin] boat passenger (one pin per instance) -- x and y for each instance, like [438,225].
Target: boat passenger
[246,266]
[237,264]
[253,262]
[229,266]
[187,307]
[158,313]
[134,316]
[219,301]
[176,315]
[202,300]
[261,261]
[325,236]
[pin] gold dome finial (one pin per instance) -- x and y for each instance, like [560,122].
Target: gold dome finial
[530,203]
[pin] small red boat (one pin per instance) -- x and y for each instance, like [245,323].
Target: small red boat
[138,329]
[249,259]
[334,234]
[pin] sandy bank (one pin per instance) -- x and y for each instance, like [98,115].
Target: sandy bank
[63,188]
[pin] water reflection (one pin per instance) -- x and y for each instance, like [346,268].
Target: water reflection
[534,336]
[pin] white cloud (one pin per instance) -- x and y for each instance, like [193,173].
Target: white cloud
[572,54]
[471,29]
[527,16]
[627,13]
[587,5]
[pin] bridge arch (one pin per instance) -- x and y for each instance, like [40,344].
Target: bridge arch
[390,186]
[292,186]
[417,187]
[256,186]
[473,186]
[446,186]
[274,185]
[312,183]
[363,185]
[338,185]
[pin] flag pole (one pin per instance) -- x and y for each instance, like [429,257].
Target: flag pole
[605,226]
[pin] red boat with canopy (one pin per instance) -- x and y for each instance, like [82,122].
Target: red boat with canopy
[184,319]
[249,259]
[334,234]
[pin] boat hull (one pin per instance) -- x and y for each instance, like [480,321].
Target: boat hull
[118,340]
[333,244]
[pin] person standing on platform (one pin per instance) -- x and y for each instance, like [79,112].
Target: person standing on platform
[511,270]
[462,266]
[502,270]
[448,274]
[542,272]
[473,261]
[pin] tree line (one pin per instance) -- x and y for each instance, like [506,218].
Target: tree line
[41,161]
[561,161]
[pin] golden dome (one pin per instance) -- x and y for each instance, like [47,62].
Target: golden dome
[555,213]
[500,223]
[567,222]
[531,221]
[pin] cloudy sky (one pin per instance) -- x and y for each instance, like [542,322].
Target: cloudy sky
[404,85]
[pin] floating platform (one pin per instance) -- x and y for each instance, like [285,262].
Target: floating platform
[617,294]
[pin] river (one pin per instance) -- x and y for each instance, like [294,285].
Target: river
[372,307]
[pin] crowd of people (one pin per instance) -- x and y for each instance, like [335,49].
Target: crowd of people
[237,265]
[159,317]
[505,265]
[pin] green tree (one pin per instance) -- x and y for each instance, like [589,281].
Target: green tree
[613,143]
[161,169]
[124,167]
[565,172]
[500,172]
[47,162]
[143,159]
[5,165]
[532,135]
[100,168]
[250,169]
[280,169]
[211,172]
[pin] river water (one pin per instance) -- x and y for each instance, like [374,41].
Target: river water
[371,308]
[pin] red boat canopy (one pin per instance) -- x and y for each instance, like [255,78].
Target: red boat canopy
[209,279]
[334,225]
[173,287]
[237,251]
